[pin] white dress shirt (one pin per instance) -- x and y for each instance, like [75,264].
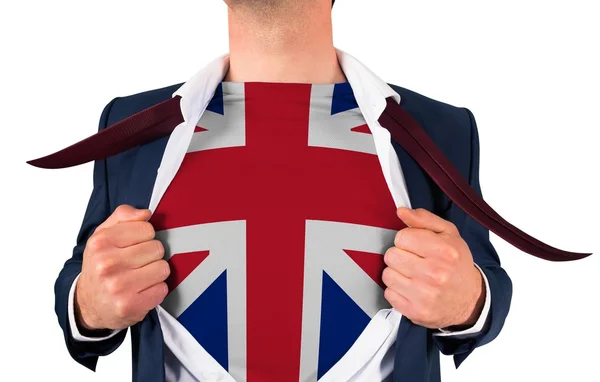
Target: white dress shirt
[371,357]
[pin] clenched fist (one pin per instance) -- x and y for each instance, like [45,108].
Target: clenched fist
[431,278]
[123,272]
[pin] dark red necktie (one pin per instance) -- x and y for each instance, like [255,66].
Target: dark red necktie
[160,120]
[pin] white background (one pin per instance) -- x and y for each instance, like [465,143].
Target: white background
[527,69]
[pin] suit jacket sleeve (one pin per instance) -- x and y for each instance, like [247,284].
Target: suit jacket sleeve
[485,256]
[98,209]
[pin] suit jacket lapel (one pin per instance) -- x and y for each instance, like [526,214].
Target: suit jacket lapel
[147,337]
[144,172]
[411,340]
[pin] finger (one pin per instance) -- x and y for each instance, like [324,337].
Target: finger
[150,297]
[421,218]
[397,282]
[125,213]
[126,234]
[138,255]
[148,275]
[397,301]
[421,242]
[404,262]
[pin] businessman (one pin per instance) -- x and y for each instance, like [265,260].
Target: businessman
[278,232]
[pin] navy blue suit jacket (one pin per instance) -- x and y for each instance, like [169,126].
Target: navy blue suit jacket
[128,178]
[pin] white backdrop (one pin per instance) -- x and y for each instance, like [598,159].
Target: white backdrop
[527,69]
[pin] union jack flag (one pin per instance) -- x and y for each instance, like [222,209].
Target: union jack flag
[274,226]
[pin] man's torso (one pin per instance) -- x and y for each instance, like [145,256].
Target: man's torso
[275,226]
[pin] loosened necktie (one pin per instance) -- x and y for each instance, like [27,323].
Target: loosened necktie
[160,120]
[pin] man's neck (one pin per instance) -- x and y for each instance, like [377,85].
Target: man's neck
[290,43]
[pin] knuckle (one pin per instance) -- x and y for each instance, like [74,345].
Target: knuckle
[104,266]
[389,295]
[121,209]
[388,255]
[451,253]
[122,308]
[97,241]
[434,296]
[148,230]
[164,268]
[441,276]
[160,248]
[387,276]
[400,237]
[421,211]
[452,227]
[163,291]
[113,286]
[431,296]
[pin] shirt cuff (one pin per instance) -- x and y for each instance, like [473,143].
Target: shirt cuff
[75,333]
[485,312]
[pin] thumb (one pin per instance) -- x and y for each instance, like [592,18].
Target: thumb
[421,218]
[408,216]
[125,213]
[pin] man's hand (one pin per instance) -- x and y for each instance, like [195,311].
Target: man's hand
[430,275]
[123,272]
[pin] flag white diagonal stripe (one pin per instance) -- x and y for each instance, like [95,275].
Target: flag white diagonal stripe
[324,252]
[226,242]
